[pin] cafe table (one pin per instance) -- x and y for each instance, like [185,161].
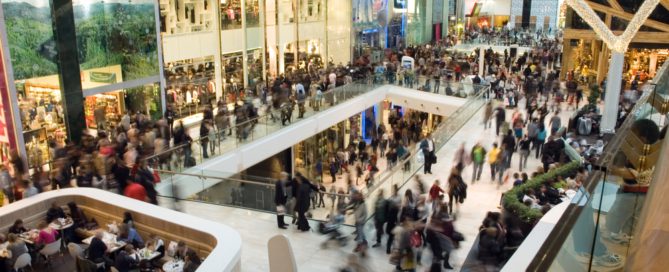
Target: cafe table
[145,254]
[61,223]
[109,239]
[174,266]
[29,236]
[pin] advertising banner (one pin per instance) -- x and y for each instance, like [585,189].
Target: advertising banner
[7,133]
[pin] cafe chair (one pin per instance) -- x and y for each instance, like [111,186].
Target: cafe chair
[22,262]
[75,250]
[50,250]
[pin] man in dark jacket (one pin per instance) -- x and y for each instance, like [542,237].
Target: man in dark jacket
[303,195]
[280,198]
[500,117]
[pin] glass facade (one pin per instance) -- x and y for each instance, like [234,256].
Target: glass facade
[208,51]
[116,53]
[116,33]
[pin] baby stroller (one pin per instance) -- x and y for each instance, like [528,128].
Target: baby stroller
[331,228]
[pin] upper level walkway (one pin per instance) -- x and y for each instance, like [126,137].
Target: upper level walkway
[267,136]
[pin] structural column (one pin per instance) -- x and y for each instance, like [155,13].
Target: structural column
[481,61]
[62,16]
[613,82]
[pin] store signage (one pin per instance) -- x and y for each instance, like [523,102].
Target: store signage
[369,31]
[102,77]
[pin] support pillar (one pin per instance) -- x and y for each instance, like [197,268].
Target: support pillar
[62,15]
[245,57]
[481,61]
[612,98]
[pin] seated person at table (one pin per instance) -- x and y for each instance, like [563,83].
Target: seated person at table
[98,249]
[16,247]
[54,213]
[127,219]
[192,261]
[124,260]
[18,227]
[181,251]
[46,234]
[156,244]
[80,222]
[130,235]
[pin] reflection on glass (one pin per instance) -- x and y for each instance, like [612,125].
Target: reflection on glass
[184,16]
[252,13]
[113,34]
[311,10]
[231,16]
[144,99]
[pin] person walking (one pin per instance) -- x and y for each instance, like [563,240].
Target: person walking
[435,193]
[304,188]
[500,118]
[524,151]
[360,211]
[392,214]
[478,158]
[427,146]
[280,198]
[493,160]
[380,209]
[462,158]
[487,116]
[457,189]
[204,132]
[539,142]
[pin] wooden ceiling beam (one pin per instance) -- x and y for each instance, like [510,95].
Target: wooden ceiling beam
[665,4]
[614,4]
[640,37]
[627,16]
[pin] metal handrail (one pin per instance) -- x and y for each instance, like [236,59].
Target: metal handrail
[249,121]
[444,124]
[237,180]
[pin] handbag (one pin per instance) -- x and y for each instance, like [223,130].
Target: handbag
[415,240]
[433,158]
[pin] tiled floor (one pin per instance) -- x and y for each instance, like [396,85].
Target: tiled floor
[256,227]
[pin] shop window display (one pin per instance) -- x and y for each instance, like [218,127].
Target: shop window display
[190,85]
[186,16]
[231,14]
[311,10]
[103,111]
[233,78]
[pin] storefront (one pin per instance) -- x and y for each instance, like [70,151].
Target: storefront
[643,63]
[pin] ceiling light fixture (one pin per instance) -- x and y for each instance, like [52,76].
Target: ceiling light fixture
[615,43]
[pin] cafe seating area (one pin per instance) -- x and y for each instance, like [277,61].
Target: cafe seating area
[180,235]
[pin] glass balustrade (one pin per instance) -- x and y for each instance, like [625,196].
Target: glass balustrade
[602,221]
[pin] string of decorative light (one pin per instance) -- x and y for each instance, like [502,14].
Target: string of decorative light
[615,43]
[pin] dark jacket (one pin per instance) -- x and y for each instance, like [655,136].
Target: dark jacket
[280,197]
[489,248]
[96,250]
[304,195]
[124,263]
